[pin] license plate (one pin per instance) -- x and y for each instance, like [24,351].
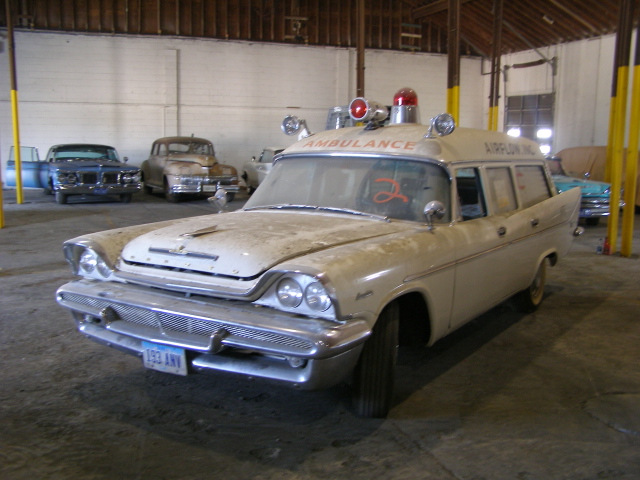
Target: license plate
[100,191]
[164,358]
[209,188]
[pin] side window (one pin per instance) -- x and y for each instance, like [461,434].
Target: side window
[532,185]
[162,149]
[500,190]
[470,198]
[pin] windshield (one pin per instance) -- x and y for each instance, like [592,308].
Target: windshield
[85,152]
[389,187]
[197,148]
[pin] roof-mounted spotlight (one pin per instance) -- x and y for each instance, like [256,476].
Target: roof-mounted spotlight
[292,125]
[443,124]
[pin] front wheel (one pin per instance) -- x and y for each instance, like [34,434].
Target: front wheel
[61,198]
[529,299]
[374,375]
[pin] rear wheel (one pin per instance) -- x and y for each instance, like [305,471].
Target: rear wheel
[374,375]
[61,198]
[529,299]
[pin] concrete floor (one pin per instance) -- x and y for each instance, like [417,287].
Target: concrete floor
[550,395]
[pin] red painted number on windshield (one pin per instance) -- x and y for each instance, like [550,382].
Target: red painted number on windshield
[383,197]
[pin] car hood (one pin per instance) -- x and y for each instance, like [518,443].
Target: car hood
[589,187]
[91,164]
[245,244]
[204,160]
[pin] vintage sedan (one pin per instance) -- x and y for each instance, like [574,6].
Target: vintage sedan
[595,195]
[255,171]
[79,169]
[359,240]
[181,166]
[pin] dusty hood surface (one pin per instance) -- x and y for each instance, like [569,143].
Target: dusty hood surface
[245,244]
[204,160]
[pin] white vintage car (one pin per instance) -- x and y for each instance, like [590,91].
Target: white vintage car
[359,240]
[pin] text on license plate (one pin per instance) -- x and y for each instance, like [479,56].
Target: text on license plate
[209,188]
[164,358]
[100,191]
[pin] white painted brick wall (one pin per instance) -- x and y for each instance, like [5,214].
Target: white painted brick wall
[128,91]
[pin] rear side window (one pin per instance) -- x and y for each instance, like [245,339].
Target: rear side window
[470,199]
[500,190]
[532,185]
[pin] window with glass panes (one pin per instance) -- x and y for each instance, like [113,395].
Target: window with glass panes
[531,116]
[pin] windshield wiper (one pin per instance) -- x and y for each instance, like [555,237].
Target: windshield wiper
[318,208]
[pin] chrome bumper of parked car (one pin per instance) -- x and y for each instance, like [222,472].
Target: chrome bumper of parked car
[200,184]
[217,335]
[83,189]
[595,207]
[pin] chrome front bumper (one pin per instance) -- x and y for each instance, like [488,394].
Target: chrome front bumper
[82,189]
[230,336]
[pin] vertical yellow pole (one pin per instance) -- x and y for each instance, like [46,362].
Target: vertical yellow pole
[14,103]
[453,48]
[631,177]
[616,143]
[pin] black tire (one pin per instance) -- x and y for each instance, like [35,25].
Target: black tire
[529,299]
[374,375]
[61,198]
[593,221]
[125,197]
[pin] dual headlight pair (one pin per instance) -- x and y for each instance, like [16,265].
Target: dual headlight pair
[85,261]
[291,294]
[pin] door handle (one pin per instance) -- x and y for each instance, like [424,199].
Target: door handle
[534,222]
[502,231]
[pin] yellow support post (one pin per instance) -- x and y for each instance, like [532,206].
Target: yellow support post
[453,102]
[14,103]
[631,177]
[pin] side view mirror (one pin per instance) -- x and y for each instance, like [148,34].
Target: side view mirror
[219,200]
[434,209]
[125,159]
[253,159]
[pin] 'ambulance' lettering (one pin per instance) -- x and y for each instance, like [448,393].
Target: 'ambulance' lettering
[371,144]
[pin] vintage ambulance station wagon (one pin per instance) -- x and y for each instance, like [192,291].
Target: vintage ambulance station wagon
[360,240]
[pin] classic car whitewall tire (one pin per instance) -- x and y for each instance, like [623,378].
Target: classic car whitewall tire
[61,198]
[374,375]
[529,299]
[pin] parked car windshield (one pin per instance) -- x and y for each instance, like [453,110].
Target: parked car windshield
[84,152]
[380,186]
[196,148]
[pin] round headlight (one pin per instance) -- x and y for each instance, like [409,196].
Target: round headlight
[88,261]
[289,293]
[71,178]
[62,178]
[317,297]
[126,178]
[103,268]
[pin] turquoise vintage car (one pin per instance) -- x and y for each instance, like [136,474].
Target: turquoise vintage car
[595,195]
[77,169]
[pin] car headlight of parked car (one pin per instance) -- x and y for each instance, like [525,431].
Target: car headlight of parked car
[69,178]
[300,293]
[86,262]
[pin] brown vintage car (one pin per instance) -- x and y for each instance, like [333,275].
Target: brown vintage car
[183,166]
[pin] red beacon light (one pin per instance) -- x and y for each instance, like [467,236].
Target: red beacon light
[405,107]
[363,110]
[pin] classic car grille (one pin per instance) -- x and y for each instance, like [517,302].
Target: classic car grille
[110,177]
[180,323]
[90,178]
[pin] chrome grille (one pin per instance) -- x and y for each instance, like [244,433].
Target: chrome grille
[111,178]
[184,324]
[90,178]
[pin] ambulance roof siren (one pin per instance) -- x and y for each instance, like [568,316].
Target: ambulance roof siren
[363,110]
[405,107]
